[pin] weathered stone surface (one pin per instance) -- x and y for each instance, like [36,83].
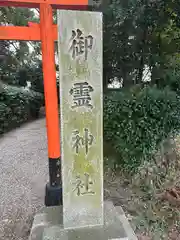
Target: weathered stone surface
[48,226]
[125,223]
[80,59]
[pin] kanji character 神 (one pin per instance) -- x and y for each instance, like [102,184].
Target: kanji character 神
[79,141]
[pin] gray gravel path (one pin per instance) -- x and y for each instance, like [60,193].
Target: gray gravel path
[23,175]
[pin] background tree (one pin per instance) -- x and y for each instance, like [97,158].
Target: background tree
[143,34]
[17,57]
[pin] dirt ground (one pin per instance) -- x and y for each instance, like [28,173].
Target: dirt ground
[151,197]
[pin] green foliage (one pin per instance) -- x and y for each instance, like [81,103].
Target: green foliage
[16,57]
[171,75]
[17,106]
[37,79]
[136,122]
[142,33]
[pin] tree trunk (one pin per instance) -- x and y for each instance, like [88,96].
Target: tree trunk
[142,53]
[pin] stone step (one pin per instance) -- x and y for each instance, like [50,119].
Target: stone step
[48,225]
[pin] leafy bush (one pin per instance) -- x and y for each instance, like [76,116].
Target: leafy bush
[135,122]
[17,105]
[5,113]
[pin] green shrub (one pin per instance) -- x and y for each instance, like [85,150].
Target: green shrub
[17,106]
[135,122]
[5,113]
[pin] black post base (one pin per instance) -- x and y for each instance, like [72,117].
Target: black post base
[53,195]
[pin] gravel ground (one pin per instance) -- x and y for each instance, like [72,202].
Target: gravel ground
[23,175]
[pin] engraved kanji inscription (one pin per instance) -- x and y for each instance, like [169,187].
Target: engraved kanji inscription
[80,44]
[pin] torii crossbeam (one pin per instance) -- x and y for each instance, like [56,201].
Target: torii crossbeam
[46,32]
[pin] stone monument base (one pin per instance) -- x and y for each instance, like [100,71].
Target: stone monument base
[48,225]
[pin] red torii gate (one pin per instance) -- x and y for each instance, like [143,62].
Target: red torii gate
[46,32]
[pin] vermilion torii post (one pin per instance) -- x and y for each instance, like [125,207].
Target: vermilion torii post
[46,32]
